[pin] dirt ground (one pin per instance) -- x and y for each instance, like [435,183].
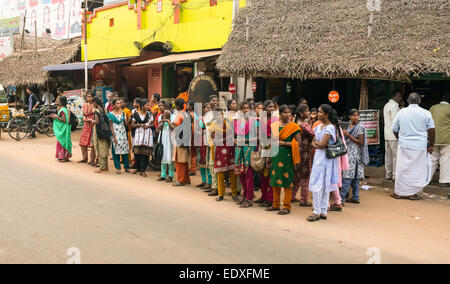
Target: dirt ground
[403,231]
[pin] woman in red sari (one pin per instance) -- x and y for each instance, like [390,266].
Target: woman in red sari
[86,134]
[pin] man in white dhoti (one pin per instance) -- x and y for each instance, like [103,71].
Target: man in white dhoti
[441,154]
[413,126]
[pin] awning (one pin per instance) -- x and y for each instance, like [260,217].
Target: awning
[181,57]
[80,65]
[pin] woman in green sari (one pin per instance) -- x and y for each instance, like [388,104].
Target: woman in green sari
[62,129]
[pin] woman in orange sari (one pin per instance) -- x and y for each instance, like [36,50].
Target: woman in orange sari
[282,165]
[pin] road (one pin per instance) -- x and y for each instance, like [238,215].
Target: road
[47,208]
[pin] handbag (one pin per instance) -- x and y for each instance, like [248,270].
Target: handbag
[159,150]
[337,149]
[257,162]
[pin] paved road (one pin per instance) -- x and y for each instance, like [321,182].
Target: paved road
[43,213]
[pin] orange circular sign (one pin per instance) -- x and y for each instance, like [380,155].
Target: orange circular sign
[333,96]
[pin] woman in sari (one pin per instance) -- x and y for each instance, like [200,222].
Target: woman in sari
[324,177]
[283,164]
[267,121]
[62,129]
[120,148]
[301,179]
[101,145]
[246,130]
[142,121]
[86,134]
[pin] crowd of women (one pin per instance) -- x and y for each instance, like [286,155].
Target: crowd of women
[299,161]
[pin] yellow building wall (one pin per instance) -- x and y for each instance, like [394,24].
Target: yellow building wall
[200,27]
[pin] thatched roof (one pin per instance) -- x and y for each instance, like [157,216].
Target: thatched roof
[25,67]
[329,39]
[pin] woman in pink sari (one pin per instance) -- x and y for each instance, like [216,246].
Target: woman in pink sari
[86,134]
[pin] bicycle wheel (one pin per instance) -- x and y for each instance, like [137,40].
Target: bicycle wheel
[19,128]
[45,126]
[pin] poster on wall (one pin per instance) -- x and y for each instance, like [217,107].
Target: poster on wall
[370,120]
[60,19]
[75,103]
[6,47]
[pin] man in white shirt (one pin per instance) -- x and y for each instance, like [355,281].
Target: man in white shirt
[413,126]
[48,99]
[390,111]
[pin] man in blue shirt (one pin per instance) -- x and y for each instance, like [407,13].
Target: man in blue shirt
[33,104]
[413,126]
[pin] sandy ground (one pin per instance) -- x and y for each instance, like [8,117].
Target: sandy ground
[47,207]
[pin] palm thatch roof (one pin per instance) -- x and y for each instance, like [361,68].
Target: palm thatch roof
[25,67]
[329,39]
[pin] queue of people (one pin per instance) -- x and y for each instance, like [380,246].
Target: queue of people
[308,149]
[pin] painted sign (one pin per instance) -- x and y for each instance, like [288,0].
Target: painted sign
[6,47]
[370,120]
[62,18]
[333,96]
[75,103]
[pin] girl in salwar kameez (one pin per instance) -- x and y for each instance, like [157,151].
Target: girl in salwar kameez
[202,152]
[165,128]
[283,164]
[86,134]
[101,145]
[267,122]
[246,130]
[324,177]
[301,179]
[62,129]
[224,157]
[356,143]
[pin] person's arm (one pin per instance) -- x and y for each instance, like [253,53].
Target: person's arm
[322,144]
[112,131]
[359,141]
[396,126]
[62,119]
[431,132]
[37,103]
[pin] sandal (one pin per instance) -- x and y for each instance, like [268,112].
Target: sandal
[201,185]
[220,198]
[295,200]
[284,212]
[161,179]
[179,184]
[305,204]
[336,207]
[323,217]
[271,208]
[313,218]
[246,204]
[82,162]
[144,175]
[241,201]
[259,201]
[393,195]
[169,179]
[415,197]
[235,198]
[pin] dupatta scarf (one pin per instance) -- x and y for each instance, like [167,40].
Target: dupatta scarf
[285,133]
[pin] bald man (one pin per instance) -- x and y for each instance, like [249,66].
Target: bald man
[413,126]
